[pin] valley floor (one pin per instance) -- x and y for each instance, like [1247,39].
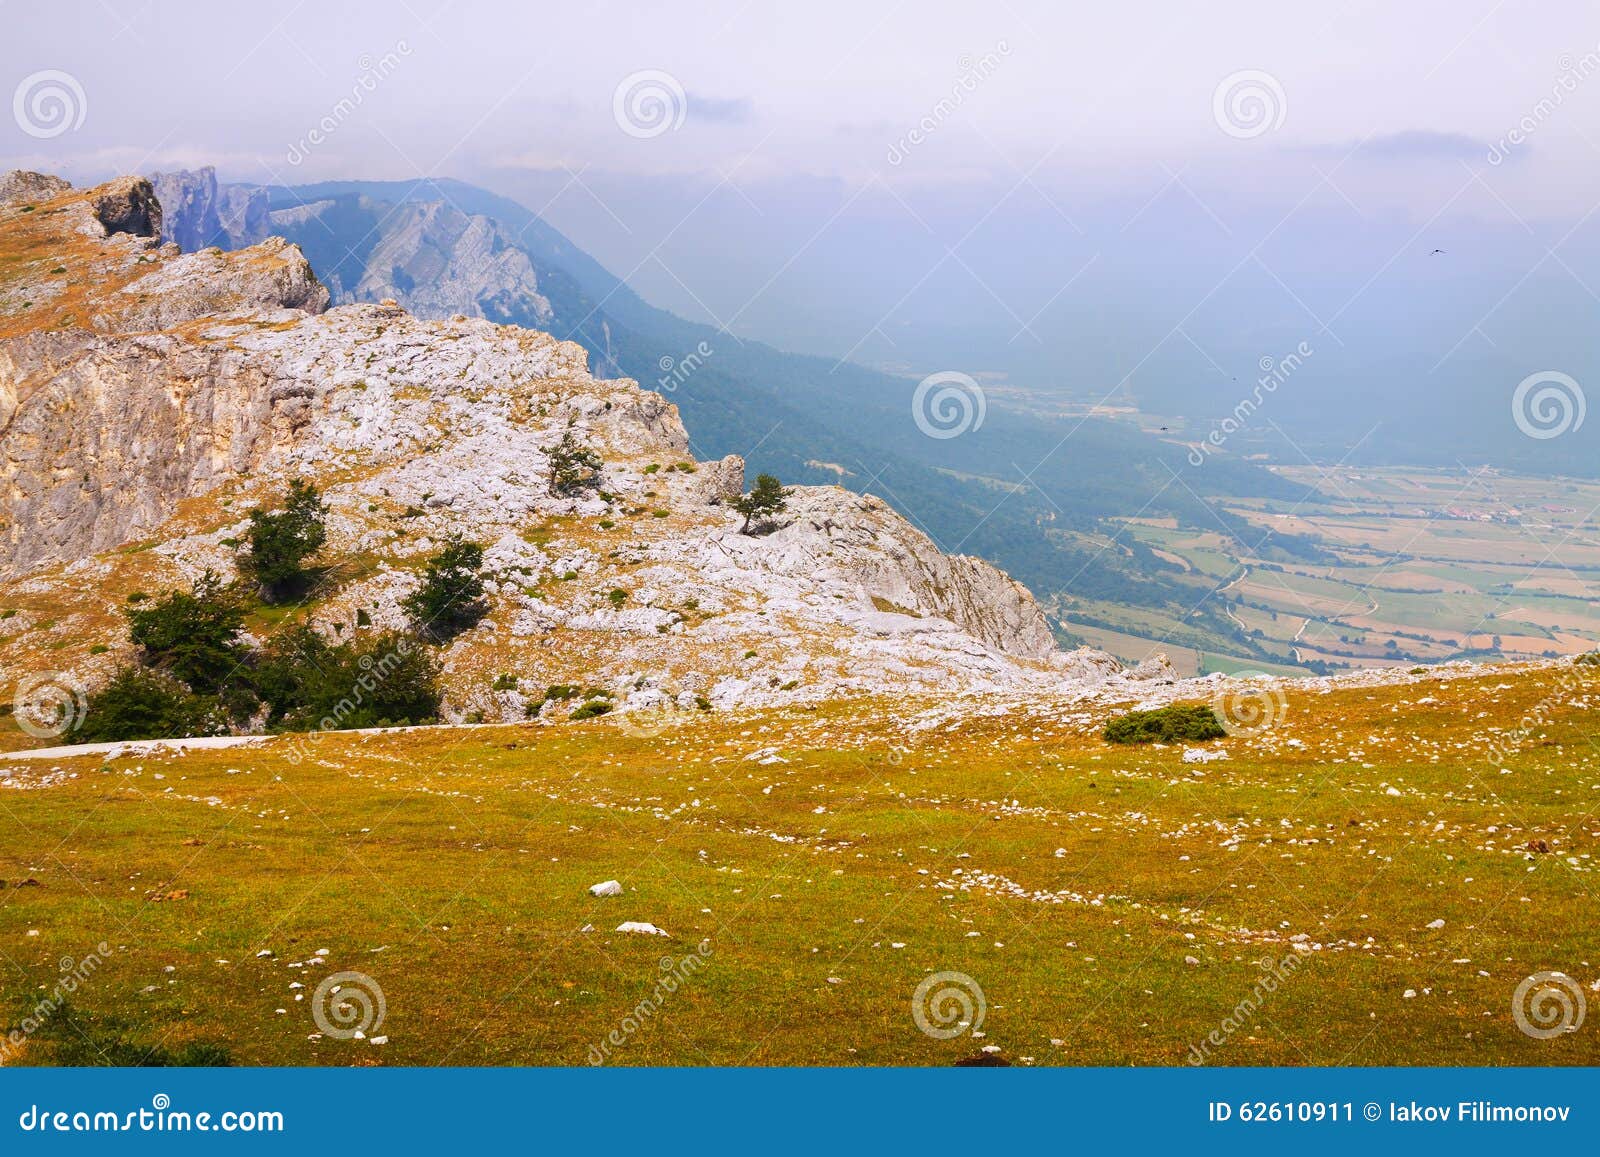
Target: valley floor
[1425,566]
[1101,905]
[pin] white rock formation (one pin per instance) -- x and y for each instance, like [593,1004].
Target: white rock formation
[642,585]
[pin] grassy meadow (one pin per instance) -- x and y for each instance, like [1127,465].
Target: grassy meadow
[1113,905]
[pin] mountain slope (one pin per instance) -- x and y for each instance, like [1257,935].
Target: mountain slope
[641,585]
[1029,493]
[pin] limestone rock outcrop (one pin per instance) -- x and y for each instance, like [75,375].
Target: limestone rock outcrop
[190,388]
[198,213]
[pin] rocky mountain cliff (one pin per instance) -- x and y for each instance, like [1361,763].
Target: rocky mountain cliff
[149,398]
[433,258]
[198,213]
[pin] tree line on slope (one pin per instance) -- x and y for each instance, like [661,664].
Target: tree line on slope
[196,674]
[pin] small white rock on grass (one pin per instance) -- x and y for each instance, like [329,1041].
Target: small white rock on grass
[607,888]
[641,926]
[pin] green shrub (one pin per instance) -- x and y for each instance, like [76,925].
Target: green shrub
[278,544]
[194,634]
[381,680]
[592,708]
[617,596]
[141,704]
[450,598]
[504,683]
[1171,724]
[573,466]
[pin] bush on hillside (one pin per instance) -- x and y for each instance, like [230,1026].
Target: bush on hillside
[387,679]
[1179,722]
[280,542]
[193,635]
[573,466]
[450,598]
[141,704]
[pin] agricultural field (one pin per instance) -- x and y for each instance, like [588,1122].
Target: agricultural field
[1427,566]
[860,883]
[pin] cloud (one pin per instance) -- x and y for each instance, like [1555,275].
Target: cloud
[720,110]
[1415,145]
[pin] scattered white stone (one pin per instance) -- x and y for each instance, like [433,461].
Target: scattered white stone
[641,926]
[608,888]
[1436,924]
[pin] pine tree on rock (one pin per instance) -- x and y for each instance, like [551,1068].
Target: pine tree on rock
[766,498]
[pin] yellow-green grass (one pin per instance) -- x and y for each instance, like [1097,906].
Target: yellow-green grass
[452,866]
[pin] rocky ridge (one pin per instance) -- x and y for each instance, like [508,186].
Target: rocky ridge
[165,394]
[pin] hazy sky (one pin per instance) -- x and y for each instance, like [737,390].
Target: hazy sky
[900,182]
[822,89]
